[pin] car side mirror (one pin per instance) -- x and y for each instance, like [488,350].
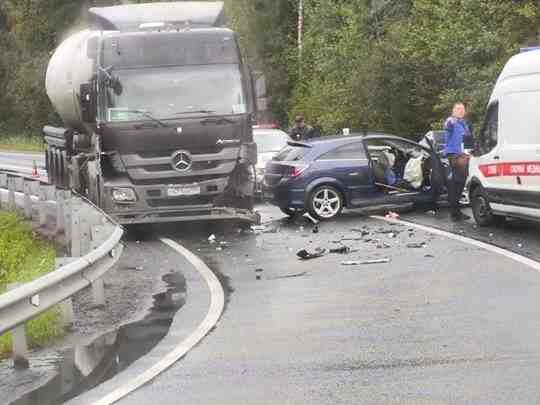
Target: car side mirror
[88,101]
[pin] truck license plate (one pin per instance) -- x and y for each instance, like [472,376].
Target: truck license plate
[181,190]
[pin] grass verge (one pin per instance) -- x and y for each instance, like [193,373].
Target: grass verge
[23,258]
[21,143]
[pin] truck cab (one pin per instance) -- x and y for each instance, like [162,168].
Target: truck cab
[165,118]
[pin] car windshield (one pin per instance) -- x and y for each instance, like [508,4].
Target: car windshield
[174,91]
[272,141]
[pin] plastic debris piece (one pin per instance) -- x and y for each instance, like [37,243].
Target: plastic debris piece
[392,215]
[416,245]
[308,216]
[361,262]
[305,255]
[289,276]
[341,250]
[212,238]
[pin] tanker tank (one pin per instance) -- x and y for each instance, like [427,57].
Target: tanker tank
[68,68]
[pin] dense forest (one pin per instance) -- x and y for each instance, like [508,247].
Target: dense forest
[391,65]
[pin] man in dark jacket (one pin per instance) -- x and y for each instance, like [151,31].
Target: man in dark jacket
[457,130]
[300,131]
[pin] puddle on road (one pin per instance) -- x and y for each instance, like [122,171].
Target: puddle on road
[84,367]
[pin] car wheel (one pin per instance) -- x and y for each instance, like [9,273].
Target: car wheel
[483,215]
[291,212]
[325,202]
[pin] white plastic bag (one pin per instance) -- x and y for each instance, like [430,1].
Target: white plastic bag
[413,172]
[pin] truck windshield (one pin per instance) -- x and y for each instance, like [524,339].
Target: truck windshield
[169,92]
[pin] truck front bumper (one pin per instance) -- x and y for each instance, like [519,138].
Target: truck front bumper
[153,205]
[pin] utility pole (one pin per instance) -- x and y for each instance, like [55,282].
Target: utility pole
[300,26]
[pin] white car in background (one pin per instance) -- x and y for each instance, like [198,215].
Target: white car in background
[269,142]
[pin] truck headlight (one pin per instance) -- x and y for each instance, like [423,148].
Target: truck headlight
[124,194]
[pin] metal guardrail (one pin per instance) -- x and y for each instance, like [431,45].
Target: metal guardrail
[91,237]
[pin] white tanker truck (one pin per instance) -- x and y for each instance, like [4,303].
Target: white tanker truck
[157,107]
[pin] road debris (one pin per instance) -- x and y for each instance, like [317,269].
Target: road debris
[362,262]
[258,228]
[305,255]
[341,250]
[289,276]
[212,238]
[416,245]
[259,270]
[429,256]
[308,216]
[392,215]
[315,229]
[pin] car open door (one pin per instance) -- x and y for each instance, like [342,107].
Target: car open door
[434,178]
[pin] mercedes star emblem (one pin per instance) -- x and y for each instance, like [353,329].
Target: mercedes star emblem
[181,161]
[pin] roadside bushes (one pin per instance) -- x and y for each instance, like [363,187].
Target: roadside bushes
[23,258]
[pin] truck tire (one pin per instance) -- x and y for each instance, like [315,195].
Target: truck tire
[481,208]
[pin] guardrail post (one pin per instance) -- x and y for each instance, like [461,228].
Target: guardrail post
[3,184]
[27,188]
[42,194]
[19,344]
[76,248]
[67,312]
[98,292]
[11,193]
[68,218]
[60,206]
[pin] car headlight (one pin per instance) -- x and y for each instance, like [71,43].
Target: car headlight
[124,194]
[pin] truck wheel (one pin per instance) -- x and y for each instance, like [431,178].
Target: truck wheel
[325,202]
[483,215]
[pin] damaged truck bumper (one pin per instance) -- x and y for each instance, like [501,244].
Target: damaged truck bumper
[191,213]
[154,203]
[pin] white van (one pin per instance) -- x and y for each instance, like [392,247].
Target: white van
[505,172]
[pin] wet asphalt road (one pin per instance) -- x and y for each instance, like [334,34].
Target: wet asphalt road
[444,324]
[21,161]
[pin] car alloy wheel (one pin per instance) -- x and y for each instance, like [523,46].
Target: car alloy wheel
[326,202]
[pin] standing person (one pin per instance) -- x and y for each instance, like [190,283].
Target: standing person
[456,129]
[300,131]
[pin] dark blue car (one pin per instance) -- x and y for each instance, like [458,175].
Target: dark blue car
[324,175]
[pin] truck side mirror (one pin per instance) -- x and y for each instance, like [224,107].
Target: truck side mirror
[88,98]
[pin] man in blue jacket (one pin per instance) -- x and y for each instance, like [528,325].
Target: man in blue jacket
[456,130]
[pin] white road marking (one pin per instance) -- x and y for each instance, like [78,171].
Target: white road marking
[212,317]
[482,245]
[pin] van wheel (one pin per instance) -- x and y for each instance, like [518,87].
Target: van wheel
[325,202]
[483,215]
